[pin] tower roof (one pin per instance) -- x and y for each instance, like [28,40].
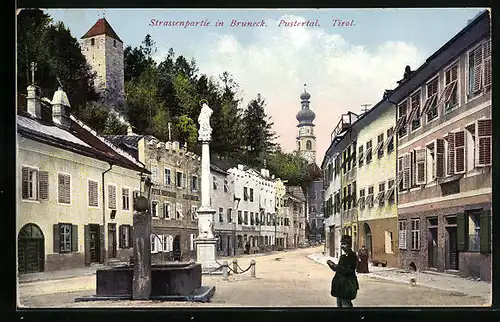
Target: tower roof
[101,27]
[305,116]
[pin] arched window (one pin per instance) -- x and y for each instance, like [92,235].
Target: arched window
[308,145]
[298,145]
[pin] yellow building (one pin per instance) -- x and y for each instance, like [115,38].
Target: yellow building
[376,170]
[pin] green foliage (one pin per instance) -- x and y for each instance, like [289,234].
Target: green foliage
[187,130]
[114,126]
[288,166]
[94,114]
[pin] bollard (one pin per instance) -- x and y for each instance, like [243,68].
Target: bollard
[235,266]
[252,269]
[225,269]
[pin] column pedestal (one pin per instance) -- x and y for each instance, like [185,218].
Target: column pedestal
[206,243]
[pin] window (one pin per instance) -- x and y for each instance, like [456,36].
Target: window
[369,197]
[401,126]
[415,111]
[192,238]
[194,183]
[380,146]
[402,234]
[64,188]
[221,214]
[226,186]
[92,41]
[360,156]
[473,233]
[459,152]
[93,192]
[483,143]
[178,210]
[229,215]
[179,179]
[420,166]
[153,243]
[155,178]
[214,183]
[431,106]
[30,183]
[154,208]
[240,219]
[245,218]
[114,43]
[388,242]
[251,194]
[361,200]
[65,235]
[348,158]
[194,213]
[368,152]
[111,196]
[381,194]
[252,221]
[245,193]
[166,210]
[390,140]
[125,199]
[349,196]
[449,97]
[168,178]
[125,236]
[415,234]
[308,145]
[344,199]
[480,68]
[403,179]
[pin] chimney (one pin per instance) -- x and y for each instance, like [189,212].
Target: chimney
[175,146]
[60,108]
[129,130]
[34,109]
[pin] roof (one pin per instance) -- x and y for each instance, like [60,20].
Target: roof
[79,139]
[129,141]
[217,169]
[101,27]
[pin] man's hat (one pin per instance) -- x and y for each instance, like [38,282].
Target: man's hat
[346,239]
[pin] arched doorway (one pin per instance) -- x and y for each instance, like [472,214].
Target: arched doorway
[176,248]
[368,239]
[30,249]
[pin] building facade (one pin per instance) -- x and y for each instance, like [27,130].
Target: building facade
[295,201]
[444,146]
[376,174]
[103,50]
[75,190]
[175,193]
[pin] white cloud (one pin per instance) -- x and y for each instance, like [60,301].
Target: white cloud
[340,76]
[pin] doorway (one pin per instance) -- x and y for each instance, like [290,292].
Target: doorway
[451,243]
[111,240]
[368,239]
[331,241]
[432,242]
[30,249]
[176,245]
[92,244]
[228,245]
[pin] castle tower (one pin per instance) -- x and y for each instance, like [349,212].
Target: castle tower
[103,50]
[306,140]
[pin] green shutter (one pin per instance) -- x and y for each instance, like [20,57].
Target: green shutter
[86,247]
[462,232]
[485,231]
[74,238]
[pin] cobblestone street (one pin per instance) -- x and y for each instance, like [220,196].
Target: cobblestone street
[283,279]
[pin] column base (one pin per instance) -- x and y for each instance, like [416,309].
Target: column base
[206,255]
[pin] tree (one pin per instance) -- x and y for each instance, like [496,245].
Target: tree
[258,134]
[288,166]
[93,114]
[114,126]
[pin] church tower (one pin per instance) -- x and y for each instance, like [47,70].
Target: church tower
[306,140]
[103,50]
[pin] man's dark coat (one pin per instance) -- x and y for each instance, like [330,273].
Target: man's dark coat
[345,283]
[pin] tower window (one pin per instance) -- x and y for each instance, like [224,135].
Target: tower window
[114,43]
[92,41]
[308,145]
[298,145]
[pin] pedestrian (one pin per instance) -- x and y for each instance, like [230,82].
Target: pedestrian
[363,260]
[345,283]
[247,248]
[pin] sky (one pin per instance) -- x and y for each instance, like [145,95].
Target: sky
[343,67]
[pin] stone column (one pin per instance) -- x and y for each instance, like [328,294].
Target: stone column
[141,285]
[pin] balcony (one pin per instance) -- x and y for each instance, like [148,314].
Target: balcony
[346,120]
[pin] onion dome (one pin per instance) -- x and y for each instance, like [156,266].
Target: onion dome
[305,116]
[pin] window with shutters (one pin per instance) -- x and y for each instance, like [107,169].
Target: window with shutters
[153,243]
[65,239]
[389,196]
[348,158]
[168,177]
[251,194]
[194,183]
[178,210]
[380,146]
[125,199]
[111,196]
[154,208]
[360,156]
[400,172]
[439,159]
[406,172]
[415,234]
[230,215]
[93,193]
[240,217]
[431,102]
[64,188]
[483,140]
[155,178]
[402,234]
[245,193]
[221,214]
[194,213]
[479,72]
[369,197]
[381,193]
[30,183]
[415,110]
[192,239]
[125,236]
[390,140]
[449,96]
[401,125]
[166,210]
[245,218]
[474,231]
[450,154]
[368,152]
[179,179]
[459,152]
[423,165]
[470,142]
[226,186]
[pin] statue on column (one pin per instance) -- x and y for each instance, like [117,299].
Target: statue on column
[205,132]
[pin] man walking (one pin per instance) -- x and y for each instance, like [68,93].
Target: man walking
[345,283]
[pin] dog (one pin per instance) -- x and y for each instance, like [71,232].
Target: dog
[413,282]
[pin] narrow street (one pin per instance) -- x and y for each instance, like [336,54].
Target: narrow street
[282,279]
